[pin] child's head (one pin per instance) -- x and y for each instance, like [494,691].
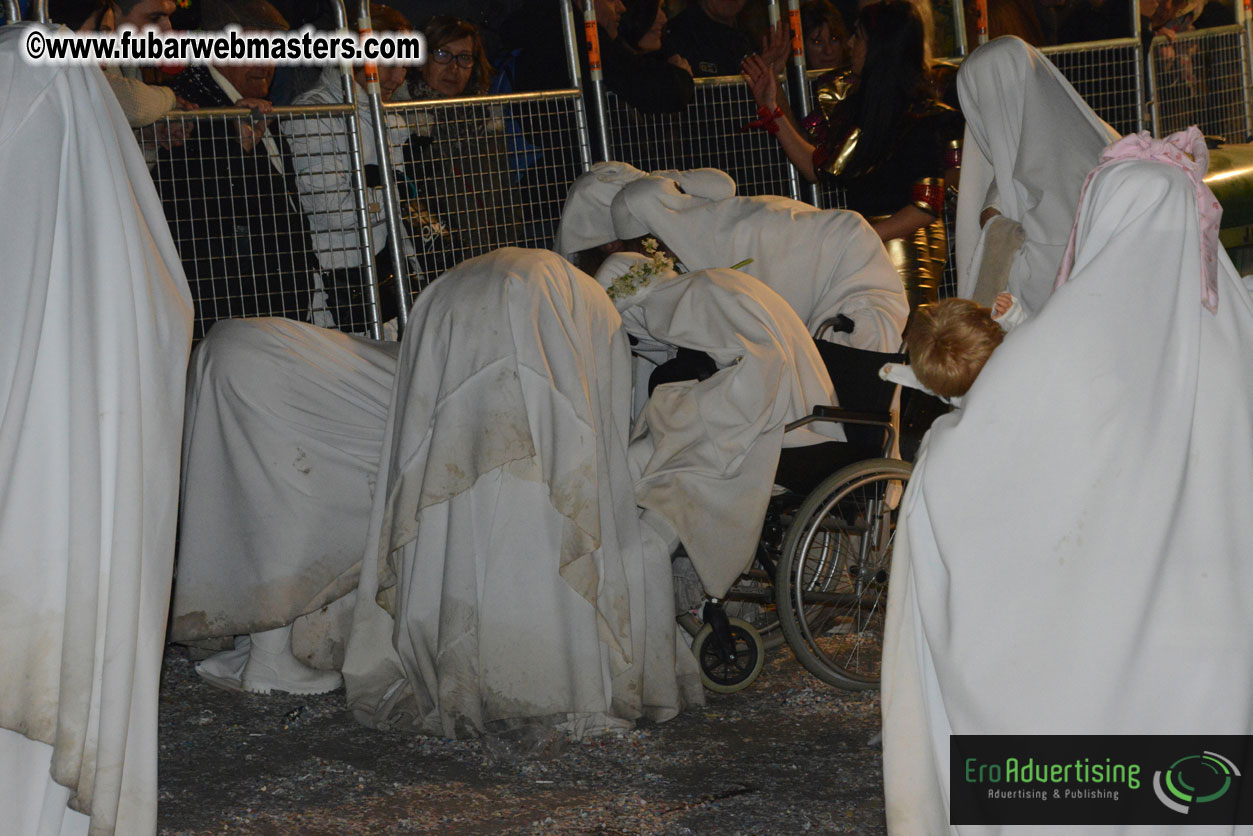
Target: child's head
[949,342]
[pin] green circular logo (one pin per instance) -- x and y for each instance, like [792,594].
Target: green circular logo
[1194,779]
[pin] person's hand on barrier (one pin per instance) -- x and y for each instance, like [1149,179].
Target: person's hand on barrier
[680,62]
[173,134]
[776,46]
[251,131]
[183,104]
[761,81]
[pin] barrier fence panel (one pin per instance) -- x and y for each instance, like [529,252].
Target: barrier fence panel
[1199,78]
[268,223]
[709,132]
[1105,74]
[483,173]
[259,228]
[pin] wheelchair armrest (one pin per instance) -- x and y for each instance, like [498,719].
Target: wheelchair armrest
[838,323]
[839,415]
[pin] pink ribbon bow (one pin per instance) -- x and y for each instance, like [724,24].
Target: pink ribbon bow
[1185,150]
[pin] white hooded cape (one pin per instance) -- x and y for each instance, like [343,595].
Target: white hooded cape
[1031,140]
[280,451]
[822,262]
[506,580]
[704,453]
[1073,556]
[92,364]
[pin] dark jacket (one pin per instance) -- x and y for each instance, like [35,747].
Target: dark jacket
[650,85]
[712,48]
[235,218]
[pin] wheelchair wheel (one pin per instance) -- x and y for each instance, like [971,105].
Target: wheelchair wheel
[835,566]
[728,676]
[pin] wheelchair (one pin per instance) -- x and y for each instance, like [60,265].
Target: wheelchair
[819,578]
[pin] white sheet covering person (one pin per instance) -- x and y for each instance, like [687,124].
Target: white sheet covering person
[704,453]
[92,364]
[281,448]
[1030,141]
[585,220]
[506,580]
[822,262]
[1073,553]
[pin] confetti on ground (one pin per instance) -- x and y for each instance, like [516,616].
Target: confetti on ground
[787,756]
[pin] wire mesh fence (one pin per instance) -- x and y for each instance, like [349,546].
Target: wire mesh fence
[485,173]
[709,132]
[1200,78]
[269,218]
[228,186]
[1106,76]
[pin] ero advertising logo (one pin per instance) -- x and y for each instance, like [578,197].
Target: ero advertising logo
[1099,779]
[1195,779]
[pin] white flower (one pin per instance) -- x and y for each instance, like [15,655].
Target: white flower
[639,276]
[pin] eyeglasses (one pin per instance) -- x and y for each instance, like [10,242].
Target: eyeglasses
[465,60]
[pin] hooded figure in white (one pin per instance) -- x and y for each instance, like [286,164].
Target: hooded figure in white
[1073,553]
[92,364]
[822,262]
[1030,141]
[506,580]
[704,453]
[585,221]
[281,449]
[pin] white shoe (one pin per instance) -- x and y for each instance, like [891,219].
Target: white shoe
[226,669]
[272,667]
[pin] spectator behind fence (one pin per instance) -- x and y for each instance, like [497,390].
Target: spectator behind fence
[459,188]
[1013,17]
[230,191]
[826,36]
[142,103]
[534,32]
[323,172]
[708,36]
[880,134]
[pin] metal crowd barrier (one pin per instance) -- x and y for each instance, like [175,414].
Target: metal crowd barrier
[263,210]
[1201,78]
[486,172]
[1107,74]
[709,132]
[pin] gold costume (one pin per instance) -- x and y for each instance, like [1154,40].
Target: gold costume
[919,258]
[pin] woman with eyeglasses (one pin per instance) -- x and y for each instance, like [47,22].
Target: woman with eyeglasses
[457,190]
[456,63]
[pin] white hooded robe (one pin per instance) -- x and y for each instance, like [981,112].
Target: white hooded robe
[1073,553]
[92,365]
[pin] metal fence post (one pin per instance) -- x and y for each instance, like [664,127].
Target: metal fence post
[1151,73]
[12,13]
[391,205]
[1140,66]
[959,28]
[356,174]
[594,86]
[39,11]
[1244,11]
[798,85]
[576,81]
